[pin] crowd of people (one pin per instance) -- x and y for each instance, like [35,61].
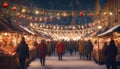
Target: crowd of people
[83,47]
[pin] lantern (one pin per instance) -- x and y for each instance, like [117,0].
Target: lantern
[23,11]
[14,8]
[58,14]
[5,5]
[40,19]
[64,14]
[105,13]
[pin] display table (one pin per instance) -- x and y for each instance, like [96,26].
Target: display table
[12,62]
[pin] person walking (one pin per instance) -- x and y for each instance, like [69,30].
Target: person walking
[23,53]
[42,51]
[110,55]
[60,50]
[89,49]
[81,49]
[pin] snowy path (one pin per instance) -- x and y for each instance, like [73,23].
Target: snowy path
[69,62]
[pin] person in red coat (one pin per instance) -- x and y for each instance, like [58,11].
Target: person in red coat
[60,49]
[42,51]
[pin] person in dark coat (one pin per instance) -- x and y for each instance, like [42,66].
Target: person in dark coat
[60,49]
[110,55]
[42,52]
[89,49]
[23,53]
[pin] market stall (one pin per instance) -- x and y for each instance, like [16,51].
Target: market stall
[114,33]
[10,36]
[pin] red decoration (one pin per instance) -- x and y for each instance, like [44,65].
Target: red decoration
[98,14]
[118,11]
[24,16]
[5,5]
[81,13]
[30,18]
[14,8]
[36,19]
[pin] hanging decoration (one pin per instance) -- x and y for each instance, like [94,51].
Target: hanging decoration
[23,11]
[14,8]
[82,13]
[119,11]
[5,5]
[30,18]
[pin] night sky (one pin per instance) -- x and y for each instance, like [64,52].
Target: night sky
[61,4]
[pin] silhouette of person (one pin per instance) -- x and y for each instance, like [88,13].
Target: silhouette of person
[110,55]
[23,53]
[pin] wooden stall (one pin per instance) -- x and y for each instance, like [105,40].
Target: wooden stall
[114,33]
[10,36]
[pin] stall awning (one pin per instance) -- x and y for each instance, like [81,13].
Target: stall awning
[6,26]
[111,30]
[27,30]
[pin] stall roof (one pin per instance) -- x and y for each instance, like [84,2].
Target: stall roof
[113,29]
[6,26]
[27,30]
[36,32]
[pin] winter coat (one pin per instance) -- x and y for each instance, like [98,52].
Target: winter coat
[23,50]
[89,47]
[81,48]
[110,52]
[60,48]
[42,50]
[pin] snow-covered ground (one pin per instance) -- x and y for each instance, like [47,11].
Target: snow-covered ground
[69,62]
